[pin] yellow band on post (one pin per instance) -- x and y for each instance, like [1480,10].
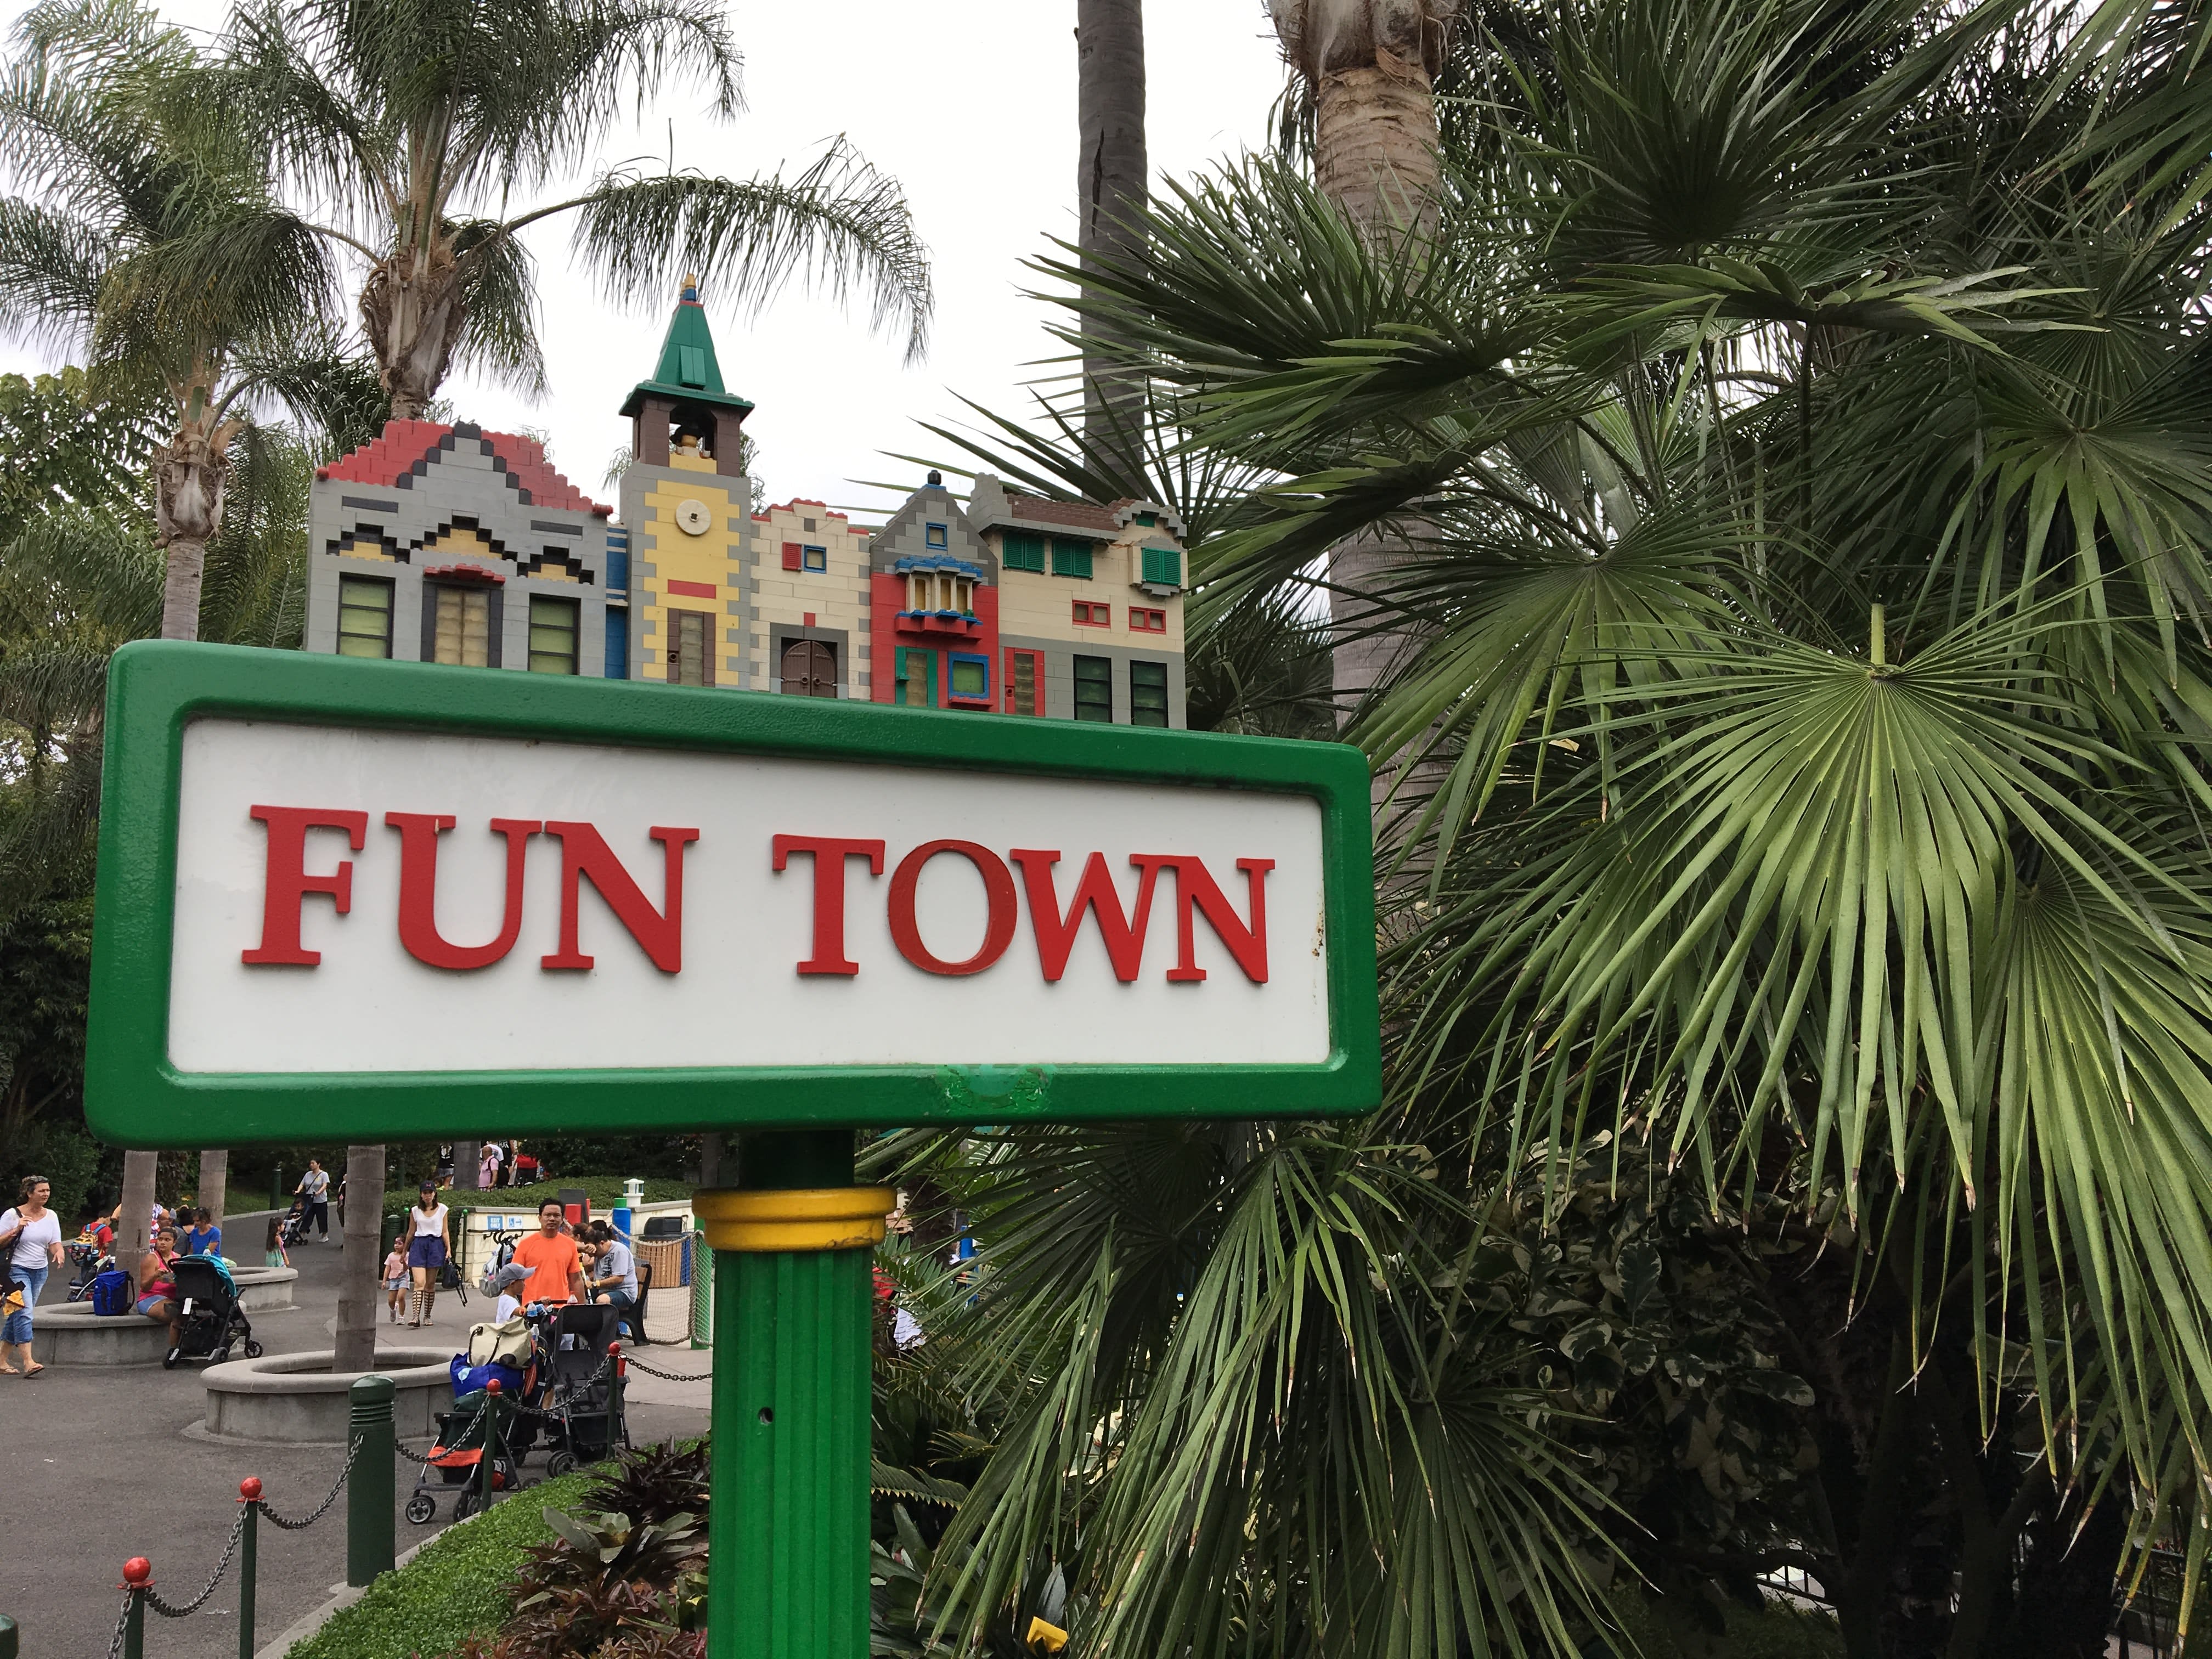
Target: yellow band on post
[816,1218]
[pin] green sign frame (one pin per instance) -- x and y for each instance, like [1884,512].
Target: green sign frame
[136,1098]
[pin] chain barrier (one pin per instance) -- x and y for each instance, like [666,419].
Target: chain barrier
[637,1365]
[460,1439]
[323,1508]
[153,1596]
[122,1626]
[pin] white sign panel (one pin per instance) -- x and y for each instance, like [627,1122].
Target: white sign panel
[354,901]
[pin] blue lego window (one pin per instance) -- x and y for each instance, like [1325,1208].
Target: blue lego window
[617,644]
[815,558]
[934,536]
[970,678]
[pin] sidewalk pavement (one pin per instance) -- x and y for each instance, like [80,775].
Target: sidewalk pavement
[98,1464]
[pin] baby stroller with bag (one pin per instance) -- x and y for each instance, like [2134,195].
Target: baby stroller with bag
[210,1322]
[456,1461]
[581,1415]
[496,1353]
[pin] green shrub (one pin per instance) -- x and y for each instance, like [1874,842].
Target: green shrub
[1781,1631]
[457,1588]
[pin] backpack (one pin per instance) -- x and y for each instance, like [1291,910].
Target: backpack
[111,1294]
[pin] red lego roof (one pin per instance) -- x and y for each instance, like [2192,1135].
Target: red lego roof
[408,449]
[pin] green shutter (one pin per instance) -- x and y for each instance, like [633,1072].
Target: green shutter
[1022,552]
[1071,558]
[692,366]
[1162,567]
[917,677]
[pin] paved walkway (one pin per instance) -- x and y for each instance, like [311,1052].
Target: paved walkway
[98,1464]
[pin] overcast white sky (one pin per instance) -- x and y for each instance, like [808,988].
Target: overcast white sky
[971,105]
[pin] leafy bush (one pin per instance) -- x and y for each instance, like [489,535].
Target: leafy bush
[625,1576]
[1670,1629]
[459,1586]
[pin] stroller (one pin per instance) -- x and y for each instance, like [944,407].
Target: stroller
[210,1321]
[457,1460]
[292,1228]
[581,1414]
[501,1353]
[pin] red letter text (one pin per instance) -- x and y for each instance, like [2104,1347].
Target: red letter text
[288,881]
[1056,935]
[418,889]
[999,895]
[585,853]
[830,854]
[1196,890]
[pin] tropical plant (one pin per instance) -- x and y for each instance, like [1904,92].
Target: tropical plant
[122,159]
[416,127]
[1243,1397]
[1796,419]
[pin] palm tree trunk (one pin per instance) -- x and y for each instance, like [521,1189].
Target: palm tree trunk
[215,1187]
[1372,72]
[357,1285]
[412,309]
[189,476]
[1111,185]
[1375,142]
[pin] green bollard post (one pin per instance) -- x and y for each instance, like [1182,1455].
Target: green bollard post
[137,1579]
[368,1488]
[788,1573]
[490,1457]
[7,1637]
[249,1494]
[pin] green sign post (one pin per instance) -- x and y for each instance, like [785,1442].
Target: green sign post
[421,901]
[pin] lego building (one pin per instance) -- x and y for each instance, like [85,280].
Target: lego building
[451,544]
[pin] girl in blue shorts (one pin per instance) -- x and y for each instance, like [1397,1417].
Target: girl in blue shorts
[429,1243]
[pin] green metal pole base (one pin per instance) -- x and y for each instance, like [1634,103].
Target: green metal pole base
[788,1520]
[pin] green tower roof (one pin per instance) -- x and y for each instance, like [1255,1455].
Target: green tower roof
[689,371]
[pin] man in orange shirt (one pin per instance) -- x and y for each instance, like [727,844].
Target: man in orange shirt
[556,1272]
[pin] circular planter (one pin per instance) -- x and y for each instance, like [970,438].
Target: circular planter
[296,1399]
[265,1290]
[70,1334]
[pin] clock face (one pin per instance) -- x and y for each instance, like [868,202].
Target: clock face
[692,518]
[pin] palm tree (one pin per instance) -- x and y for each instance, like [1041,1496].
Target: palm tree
[1112,177]
[420,131]
[124,159]
[1364,100]
[1366,70]
[1802,755]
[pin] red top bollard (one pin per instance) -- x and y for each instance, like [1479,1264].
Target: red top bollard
[492,1387]
[137,1573]
[615,1353]
[249,1490]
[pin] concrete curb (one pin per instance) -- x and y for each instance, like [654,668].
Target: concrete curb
[285,1399]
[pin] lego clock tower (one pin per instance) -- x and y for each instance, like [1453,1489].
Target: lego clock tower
[685,500]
